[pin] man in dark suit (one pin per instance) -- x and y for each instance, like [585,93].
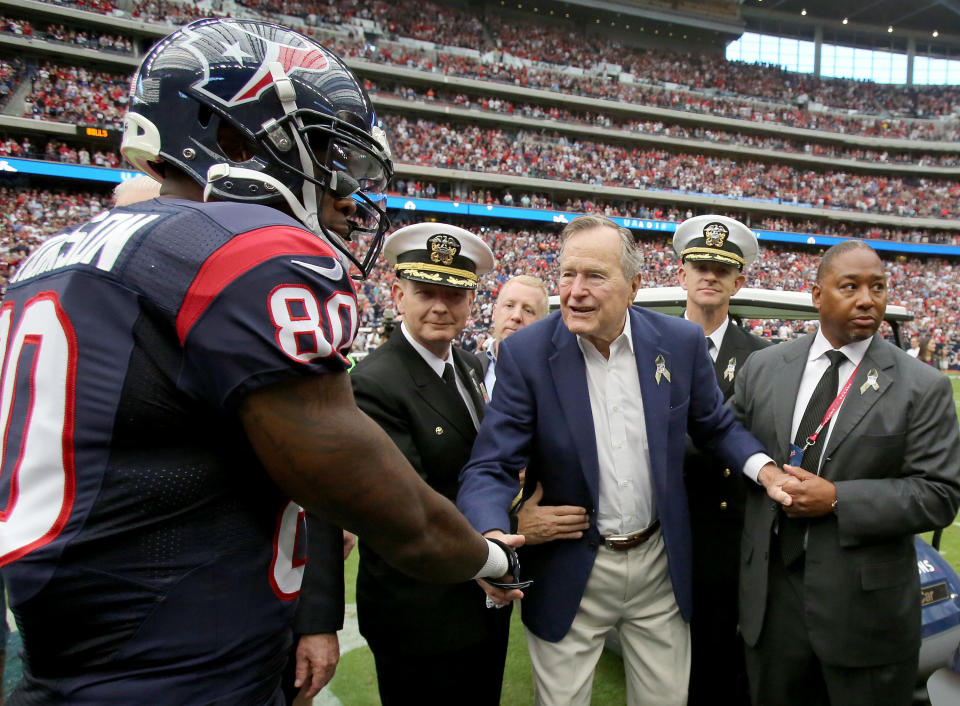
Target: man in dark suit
[319,613]
[829,591]
[521,301]
[573,390]
[714,251]
[432,644]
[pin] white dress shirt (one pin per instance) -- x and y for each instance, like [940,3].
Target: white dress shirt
[716,337]
[817,364]
[490,379]
[626,489]
[437,364]
[752,467]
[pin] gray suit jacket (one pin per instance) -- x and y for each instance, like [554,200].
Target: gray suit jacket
[894,456]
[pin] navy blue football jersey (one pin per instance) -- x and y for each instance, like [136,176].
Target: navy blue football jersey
[146,551]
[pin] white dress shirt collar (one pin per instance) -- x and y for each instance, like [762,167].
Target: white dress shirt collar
[716,336]
[854,351]
[817,363]
[625,337]
[435,363]
[438,364]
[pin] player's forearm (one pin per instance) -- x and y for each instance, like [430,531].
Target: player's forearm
[334,460]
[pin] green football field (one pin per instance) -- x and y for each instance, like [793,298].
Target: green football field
[355,680]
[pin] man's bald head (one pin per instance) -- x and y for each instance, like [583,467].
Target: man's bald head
[832,253]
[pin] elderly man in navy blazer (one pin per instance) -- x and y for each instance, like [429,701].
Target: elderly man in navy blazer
[596,403]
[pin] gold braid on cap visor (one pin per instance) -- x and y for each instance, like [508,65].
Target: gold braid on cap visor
[453,271]
[720,255]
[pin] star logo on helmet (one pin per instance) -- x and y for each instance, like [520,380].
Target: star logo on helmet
[236,53]
[250,66]
[292,59]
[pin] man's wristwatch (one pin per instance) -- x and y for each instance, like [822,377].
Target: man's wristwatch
[513,568]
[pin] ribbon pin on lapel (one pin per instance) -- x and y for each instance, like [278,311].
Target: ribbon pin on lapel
[480,388]
[872,376]
[661,370]
[731,369]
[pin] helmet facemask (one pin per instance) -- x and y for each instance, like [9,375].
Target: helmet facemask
[344,161]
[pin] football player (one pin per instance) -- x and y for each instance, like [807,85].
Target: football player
[174,372]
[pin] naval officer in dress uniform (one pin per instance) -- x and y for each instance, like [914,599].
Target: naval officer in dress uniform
[714,252]
[432,644]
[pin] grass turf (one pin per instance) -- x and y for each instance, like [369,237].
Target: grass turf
[355,682]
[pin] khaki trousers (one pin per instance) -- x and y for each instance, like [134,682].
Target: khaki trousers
[631,592]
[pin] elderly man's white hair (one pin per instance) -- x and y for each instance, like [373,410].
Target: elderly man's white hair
[140,188]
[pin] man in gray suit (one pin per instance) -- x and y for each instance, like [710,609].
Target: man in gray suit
[829,591]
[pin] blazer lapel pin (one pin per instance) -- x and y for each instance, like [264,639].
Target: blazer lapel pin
[731,370]
[872,376]
[661,370]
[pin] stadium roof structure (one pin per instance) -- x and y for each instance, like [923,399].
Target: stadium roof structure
[933,24]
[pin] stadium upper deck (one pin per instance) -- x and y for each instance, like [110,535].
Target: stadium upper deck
[690,81]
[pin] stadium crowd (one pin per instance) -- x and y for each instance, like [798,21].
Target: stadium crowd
[535,40]
[535,55]
[78,95]
[557,156]
[929,287]
[646,94]
[10,72]
[523,50]
[501,106]
[58,32]
[53,150]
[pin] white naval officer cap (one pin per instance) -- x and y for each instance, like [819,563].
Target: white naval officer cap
[438,253]
[716,238]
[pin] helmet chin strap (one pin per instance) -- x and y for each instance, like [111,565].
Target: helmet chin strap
[306,211]
[288,100]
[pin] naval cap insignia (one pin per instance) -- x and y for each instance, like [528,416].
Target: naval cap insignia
[443,248]
[715,234]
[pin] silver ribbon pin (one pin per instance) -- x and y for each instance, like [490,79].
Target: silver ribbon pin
[661,369]
[479,387]
[731,369]
[872,376]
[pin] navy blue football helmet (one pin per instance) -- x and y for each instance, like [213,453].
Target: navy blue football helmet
[307,121]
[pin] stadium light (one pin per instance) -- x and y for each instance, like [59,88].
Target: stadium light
[803,12]
[936,33]
[846,20]
[889,29]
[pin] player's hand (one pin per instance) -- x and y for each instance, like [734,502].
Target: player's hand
[349,542]
[502,596]
[544,523]
[812,495]
[317,658]
[773,479]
